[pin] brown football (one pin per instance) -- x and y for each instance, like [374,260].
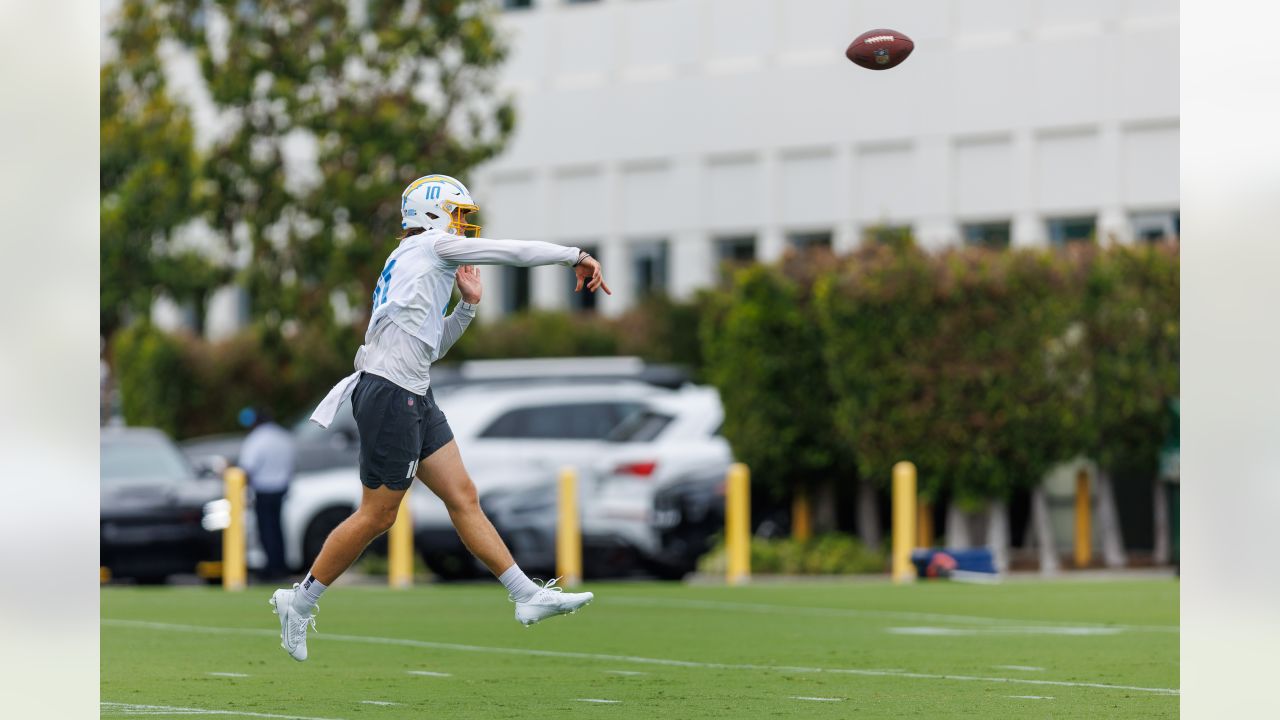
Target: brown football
[879,49]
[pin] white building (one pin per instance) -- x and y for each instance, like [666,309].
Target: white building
[666,135]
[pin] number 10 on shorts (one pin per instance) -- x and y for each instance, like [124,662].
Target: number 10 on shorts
[412,466]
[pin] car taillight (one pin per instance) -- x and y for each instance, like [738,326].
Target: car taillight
[643,469]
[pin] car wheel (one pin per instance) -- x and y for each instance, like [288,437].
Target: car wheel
[318,530]
[151,579]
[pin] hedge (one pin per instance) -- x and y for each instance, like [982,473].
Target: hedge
[982,367]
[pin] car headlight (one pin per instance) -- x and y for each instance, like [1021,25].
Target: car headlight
[217,515]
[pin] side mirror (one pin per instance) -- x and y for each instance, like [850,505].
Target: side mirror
[210,466]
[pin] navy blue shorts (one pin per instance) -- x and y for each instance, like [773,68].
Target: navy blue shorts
[397,429]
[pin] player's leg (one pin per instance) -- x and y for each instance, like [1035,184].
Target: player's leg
[445,475]
[377,512]
[443,472]
[296,607]
[389,420]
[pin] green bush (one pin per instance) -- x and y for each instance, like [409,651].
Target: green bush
[968,363]
[982,367]
[830,554]
[1132,307]
[152,375]
[188,386]
[763,352]
[658,330]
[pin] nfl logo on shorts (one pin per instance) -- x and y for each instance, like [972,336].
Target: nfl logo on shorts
[410,402]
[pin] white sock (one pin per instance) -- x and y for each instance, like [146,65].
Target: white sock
[308,594]
[518,584]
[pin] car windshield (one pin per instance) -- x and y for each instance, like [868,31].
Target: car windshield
[642,426]
[142,458]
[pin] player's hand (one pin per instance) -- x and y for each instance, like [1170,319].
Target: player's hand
[468,277]
[589,272]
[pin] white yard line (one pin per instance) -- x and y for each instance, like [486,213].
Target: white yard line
[228,674]
[816,699]
[378,702]
[428,673]
[854,613]
[528,652]
[1030,697]
[132,710]
[597,700]
[1004,630]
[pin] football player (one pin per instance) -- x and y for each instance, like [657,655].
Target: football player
[403,433]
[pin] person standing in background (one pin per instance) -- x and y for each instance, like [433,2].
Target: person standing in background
[268,457]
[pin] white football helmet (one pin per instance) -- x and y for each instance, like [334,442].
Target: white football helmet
[438,202]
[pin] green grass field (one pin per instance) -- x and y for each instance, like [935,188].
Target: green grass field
[848,649]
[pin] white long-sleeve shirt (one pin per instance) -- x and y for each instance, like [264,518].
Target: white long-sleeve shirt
[407,328]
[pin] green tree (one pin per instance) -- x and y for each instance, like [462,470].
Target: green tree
[972,364]
[1133,306]
[382,98]
[147,169]
[763,353]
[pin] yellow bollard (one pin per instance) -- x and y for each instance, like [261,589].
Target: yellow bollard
[400,547]
[904,521]
[1084,525]
[569,531]
[924,524]
[234,571]
[801,516]
[737,524]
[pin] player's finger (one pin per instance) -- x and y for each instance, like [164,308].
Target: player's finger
[607,291]
[579,286]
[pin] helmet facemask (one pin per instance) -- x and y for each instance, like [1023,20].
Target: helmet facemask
[458,213]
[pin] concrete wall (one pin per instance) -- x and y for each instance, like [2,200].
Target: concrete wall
[685,121]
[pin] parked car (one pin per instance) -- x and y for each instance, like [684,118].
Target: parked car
[515,439]
[151,507]
[339,445]
[511,438]
[672,437]
[688,513]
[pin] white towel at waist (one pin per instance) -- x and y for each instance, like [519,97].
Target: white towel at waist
[327,410]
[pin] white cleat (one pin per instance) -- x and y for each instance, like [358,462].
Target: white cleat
[549,602]
[293,625]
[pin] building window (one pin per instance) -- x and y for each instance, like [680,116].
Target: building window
[515,289]
[736,249]
[993,235]
[803,241]
[733,252]
[584,300]
[516,4]
[1156,226]
[1071,230]
[649,267]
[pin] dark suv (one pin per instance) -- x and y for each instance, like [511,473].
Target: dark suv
[152,504]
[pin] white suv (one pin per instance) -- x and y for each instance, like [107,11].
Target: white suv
[674,435]
[510,436]
[513,439]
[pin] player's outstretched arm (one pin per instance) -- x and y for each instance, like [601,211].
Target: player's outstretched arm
[459,250]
